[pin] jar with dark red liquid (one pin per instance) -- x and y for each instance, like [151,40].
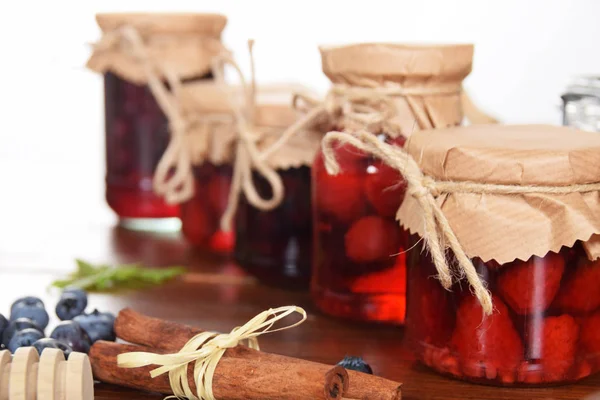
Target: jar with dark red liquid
[359,258]
[515,203]
[137,134]
[276,245]
[137,131]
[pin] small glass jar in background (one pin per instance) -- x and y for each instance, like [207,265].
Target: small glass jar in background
[276,245]
[211,142]
[359,269]
[137,131]
[544,323]
[200,215]
[581,104]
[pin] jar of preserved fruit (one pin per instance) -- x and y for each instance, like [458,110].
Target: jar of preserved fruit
[390,91]
[276,244]
[507,218]
[236,137]
[145,57]
[211,143]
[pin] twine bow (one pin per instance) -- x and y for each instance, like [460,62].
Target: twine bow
[205,351]
[369,107]
[173,177]
[247,155]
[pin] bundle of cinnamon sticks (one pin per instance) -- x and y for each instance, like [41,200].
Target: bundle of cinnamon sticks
[242,373]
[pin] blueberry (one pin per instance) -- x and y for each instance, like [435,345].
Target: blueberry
[71,304]
[32,308]
[18,325]
[71,333]
[28,301]
[356,364]
[98,326]
[49,343]
[3,325]
[24,338]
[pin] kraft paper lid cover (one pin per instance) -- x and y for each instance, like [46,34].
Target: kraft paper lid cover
[184,44]
[505,227]
[214,136]
[432,74]
[358,64]
[273,115]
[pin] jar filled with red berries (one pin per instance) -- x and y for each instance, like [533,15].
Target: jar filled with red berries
[516,209]
[211,143]
[390,91]
[145,59]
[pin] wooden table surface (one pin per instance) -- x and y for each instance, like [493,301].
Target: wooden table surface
[200,301]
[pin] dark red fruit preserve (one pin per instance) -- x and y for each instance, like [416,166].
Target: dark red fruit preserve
[137,135]
[359,270]
[200,216]
[276,245]
[544,330]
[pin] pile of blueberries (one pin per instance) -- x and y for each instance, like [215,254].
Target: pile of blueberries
[77,331]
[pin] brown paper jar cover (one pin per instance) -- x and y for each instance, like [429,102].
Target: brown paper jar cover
[508,227]
[410,67]
[184,44]
[214,134]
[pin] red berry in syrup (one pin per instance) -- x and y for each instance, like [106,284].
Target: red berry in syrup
[491,340]
[385,188]
[530,286]
[372,239]
[579,293]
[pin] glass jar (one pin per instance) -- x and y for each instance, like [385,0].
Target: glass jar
[581,104]
[276,245]
[359,261]
[137,134]
[137,130]
[516,208]
[200,216]
[545,328]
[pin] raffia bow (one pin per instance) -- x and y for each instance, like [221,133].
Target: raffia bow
[205,351]
[173,177]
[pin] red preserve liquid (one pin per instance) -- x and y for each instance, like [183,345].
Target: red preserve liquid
[276,245]
[201,215]
[359,269]
[137,134]
[545,328]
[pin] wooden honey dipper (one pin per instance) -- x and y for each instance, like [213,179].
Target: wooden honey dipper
[27,376]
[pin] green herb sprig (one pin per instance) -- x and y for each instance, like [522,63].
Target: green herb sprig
[106,278]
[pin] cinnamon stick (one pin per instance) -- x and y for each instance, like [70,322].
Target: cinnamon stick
[171,337]
[234,379]
[337,382]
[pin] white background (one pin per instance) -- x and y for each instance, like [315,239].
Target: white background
[51,126]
